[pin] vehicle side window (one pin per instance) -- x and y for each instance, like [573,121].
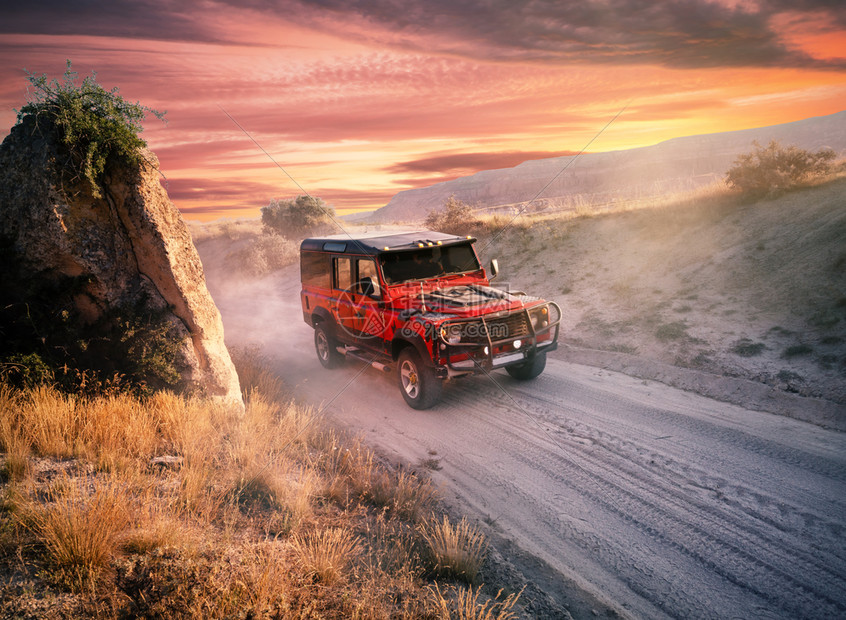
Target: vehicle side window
[343,273]
[314,269]
[367,270]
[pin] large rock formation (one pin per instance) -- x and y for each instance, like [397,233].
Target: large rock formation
[128,253]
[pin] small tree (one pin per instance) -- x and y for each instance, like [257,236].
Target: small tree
[455,217]
[297,216]
[92,124]
[774,169]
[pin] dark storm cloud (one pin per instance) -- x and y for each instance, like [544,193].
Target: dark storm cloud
[134,19]
[675,33]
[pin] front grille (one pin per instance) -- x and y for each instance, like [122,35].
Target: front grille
[503,328]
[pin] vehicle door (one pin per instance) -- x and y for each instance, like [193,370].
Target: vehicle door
[344,307]
[367,296]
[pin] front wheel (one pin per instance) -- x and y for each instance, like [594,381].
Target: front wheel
[326,348]
[529,369]
[420,386]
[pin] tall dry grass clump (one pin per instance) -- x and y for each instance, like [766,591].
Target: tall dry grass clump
[326,554]
[13,442]
[51,421]
[78,525]
[454,550]
[464,604]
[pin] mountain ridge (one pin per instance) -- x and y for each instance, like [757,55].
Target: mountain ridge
[566,182]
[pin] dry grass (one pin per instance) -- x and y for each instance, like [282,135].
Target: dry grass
[403,493]
[170,506]
[255,374]
[51,422]
[78,525]
[464,604]
[326,554]
[454,550]
[13,442]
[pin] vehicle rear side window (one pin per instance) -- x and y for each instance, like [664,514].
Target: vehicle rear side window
[343,273]
[315,269]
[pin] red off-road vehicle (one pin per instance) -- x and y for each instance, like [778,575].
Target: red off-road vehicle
[420,303]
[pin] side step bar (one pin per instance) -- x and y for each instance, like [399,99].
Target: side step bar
[356,354]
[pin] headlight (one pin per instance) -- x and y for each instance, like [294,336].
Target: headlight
[539,317]
[451,333]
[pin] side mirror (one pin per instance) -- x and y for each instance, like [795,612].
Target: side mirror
[494,269]
[366,286]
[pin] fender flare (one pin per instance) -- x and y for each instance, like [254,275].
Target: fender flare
[400,342]
[322,315]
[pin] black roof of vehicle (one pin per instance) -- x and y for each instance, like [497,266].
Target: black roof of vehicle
[378,242]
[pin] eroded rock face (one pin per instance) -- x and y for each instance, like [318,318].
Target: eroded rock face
[128,249]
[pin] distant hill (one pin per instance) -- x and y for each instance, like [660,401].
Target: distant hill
[757,292]
[608,178]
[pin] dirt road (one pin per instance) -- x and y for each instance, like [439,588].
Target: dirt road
[660,502]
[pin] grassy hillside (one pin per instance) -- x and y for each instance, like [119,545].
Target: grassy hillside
[755,291]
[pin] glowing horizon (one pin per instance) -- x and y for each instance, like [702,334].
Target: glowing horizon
[357,102]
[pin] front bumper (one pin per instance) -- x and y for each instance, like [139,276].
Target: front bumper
[489,353]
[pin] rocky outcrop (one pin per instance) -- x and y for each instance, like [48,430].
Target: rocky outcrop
[127,252]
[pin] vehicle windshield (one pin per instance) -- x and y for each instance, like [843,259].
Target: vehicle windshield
[429,262]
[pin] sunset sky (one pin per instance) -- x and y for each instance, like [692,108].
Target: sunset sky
[360,99]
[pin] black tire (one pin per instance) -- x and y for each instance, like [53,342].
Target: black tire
[326,348]
[529,369]
[419,385]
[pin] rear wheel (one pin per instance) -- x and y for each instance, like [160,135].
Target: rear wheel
[420,386]
[326,348]
[529,369]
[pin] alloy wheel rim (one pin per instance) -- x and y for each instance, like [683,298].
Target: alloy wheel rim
[410,380]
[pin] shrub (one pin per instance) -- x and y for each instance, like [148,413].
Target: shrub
[94,125]
[746,348]
[456,217]
[775,168]
[254,373]
[25,371]
[797,350]
[297,216]
[671,331]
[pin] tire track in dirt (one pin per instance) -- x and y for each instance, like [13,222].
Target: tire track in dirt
[647,496]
